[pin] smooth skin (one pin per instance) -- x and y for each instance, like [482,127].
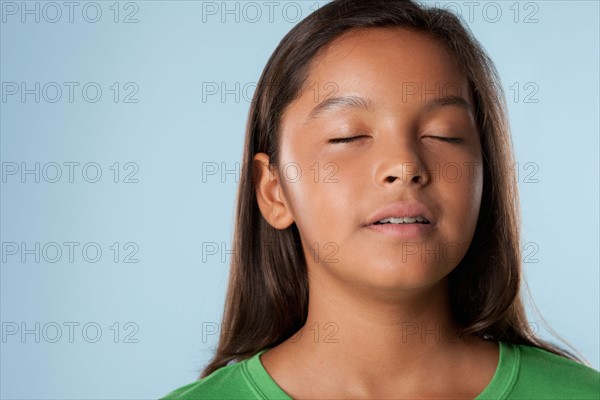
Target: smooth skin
[379,322]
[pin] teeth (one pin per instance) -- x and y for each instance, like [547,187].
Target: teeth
[405,220]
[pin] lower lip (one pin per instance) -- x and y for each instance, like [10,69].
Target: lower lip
[402,231]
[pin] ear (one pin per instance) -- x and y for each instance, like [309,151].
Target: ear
[271,199]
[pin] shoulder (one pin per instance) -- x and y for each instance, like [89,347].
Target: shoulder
[227,382]
[542,372]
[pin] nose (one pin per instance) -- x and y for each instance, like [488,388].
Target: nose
[401,163]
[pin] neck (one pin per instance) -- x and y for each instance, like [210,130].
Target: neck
[365,342]
[366,338]
[384,328]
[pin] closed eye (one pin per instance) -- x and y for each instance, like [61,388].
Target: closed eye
[448,139]
[346,139]
[354,138]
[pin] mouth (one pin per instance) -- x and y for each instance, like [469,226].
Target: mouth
[417,219]
[404,228]
[402,213]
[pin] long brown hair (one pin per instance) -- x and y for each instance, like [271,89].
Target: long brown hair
[267,296]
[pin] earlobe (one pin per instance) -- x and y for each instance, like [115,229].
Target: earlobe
[271,199]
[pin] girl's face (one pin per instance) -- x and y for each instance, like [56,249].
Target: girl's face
[400,94]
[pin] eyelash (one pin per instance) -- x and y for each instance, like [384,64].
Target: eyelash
[353,138]
[346,140]
[449,139]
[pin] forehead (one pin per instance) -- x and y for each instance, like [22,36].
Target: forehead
[402,49]
[386,62]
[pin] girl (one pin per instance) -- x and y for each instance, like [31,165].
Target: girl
[377,236]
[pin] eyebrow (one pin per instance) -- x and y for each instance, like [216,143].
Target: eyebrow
[356,102]
[339,103]
[448,101]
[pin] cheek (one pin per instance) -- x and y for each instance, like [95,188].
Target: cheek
[463,201]
[323,197]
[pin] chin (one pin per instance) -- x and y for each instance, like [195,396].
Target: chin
[406,276]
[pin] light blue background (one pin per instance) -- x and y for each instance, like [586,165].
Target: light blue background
[172,295]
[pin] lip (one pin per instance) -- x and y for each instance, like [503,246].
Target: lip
[399,231]
[402,209]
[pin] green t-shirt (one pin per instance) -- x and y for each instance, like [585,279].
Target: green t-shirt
[523,372]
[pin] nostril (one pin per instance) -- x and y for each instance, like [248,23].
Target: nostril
[416,178]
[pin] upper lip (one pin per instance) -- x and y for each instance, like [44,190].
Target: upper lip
[402,209]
